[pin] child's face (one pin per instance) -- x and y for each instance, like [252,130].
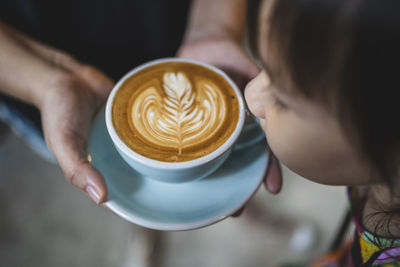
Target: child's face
[302,133]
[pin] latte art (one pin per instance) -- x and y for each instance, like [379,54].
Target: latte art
[175,111]
[180,117]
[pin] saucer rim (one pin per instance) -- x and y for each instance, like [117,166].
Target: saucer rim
[151,224]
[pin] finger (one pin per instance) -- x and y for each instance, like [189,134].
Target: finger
[238,213]
[69,149]
[89,180]
[273,177]
[85,177]
[272,180]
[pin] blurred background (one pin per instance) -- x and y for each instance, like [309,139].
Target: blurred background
[44,222]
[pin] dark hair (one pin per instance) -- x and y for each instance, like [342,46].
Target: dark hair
[347,54]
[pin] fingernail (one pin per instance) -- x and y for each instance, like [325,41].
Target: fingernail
[94,195]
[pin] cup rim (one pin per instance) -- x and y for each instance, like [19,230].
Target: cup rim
[175,165]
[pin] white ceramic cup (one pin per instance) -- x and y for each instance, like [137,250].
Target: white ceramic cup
[175,172]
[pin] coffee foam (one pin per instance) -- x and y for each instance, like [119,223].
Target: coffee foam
[180,116]
[175,112]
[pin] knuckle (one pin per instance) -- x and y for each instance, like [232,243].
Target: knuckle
[73,178]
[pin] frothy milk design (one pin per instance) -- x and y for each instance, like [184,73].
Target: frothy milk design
[180,117]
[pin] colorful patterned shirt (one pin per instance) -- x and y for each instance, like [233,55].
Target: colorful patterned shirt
[365,249]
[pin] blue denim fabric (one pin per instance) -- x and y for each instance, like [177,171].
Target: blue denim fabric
[25,129]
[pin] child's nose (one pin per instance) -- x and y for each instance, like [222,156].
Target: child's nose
[254,95]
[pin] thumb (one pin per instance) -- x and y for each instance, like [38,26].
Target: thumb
[78,170]
[66,136]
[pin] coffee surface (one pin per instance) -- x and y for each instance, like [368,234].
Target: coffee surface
[175,111]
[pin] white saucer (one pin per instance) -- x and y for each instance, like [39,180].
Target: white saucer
[175,207]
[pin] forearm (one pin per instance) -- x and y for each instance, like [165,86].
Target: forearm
[217,19]
[24,74]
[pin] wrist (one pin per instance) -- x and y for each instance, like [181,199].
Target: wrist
[217,19]
[27,72]
[213,33]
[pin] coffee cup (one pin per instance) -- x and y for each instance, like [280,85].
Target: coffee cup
[177,120]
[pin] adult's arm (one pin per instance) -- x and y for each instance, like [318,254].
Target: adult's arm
[67,93]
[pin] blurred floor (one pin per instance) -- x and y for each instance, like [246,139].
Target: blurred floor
[46,222]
